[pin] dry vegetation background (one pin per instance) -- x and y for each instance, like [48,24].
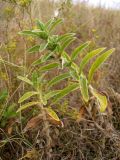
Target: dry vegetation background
[95,138]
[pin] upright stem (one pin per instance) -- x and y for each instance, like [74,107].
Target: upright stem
[46,123]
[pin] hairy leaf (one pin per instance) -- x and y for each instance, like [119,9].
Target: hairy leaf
[34,49]
[63,37]
[51,94]
[43,58]
[27,105]
[58,78]
[26,96]
[66,91]
[90,55]
[66,43]
[40,24]
[84,88]
[54,24]
[78,50]
[28,33]
[25,79]
[102,58]
[49,67]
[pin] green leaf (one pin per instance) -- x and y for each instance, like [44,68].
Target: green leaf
[48,24]
[10,112]
[26,96]
[25,79]
[40,25]
[35,79]
[51,94]
[49,67]
[41,34]
[65,36]
[28,33]
[73,74]
[3,95]
[58,78]
[33,49]
[75,67]
[101,99]
[77,51]
[84,88]
[66,57]
[52,114]
[65,92]
[27,105]
[102,58]
[66,43]
[42,47]
[90,55]
[54,23]
[43,58]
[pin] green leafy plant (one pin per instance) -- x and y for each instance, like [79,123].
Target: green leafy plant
[53,56]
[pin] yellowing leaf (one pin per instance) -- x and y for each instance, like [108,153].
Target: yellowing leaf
[102,99]
[52,114]
[84,88]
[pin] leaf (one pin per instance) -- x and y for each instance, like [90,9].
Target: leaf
[43,58]
[90,55]
[75,67]
[52,114]
[35,79]
[25,79]
[58,78]
[41,34]
[48,24]
[65,36]
[10,112]
[40,25]
[66,43]
[77,51]
[28,33]
[3,95]
[102,58]
[42,47]
[31,154]
[66,57]
[26,96]
[27,105]
[33,49]
[84,88]
[65,92]
[33,122]
[51,94]
[49,67]
[54,23]
[101,99]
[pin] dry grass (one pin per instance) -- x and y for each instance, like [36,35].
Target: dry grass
[95,138]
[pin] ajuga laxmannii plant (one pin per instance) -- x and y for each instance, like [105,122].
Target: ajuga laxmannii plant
[54,56]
